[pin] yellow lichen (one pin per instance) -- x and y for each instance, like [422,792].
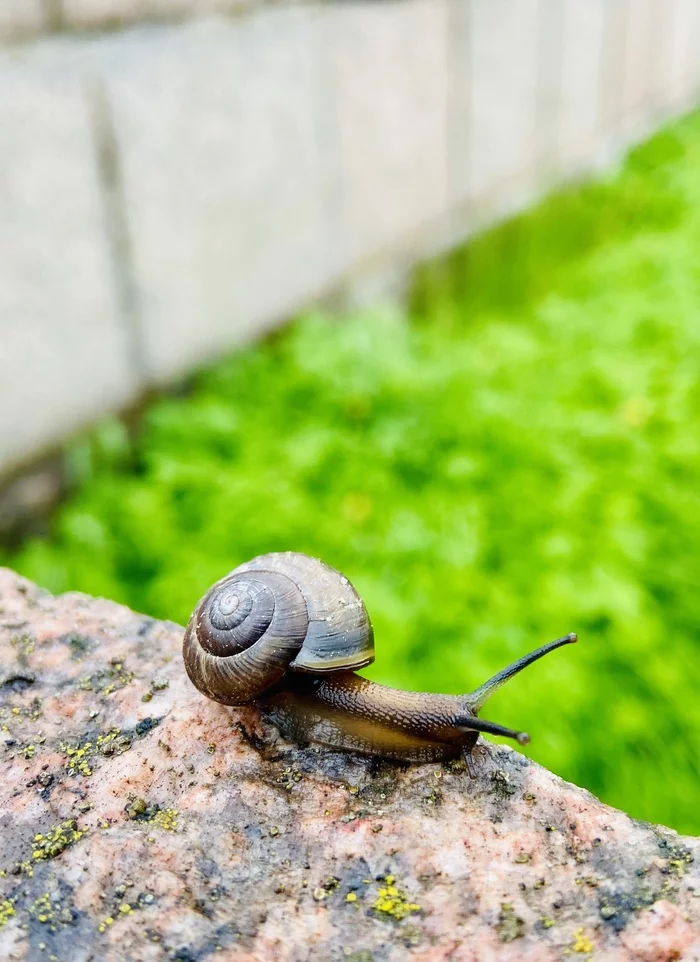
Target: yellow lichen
[393,902]
[581,943]
[166,819]
[78,757]
[51,911]
[7,910]
[56,840]
[116,676]
[679,858]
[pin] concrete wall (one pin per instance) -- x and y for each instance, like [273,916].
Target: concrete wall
[176,176]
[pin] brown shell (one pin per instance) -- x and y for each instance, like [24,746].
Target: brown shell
[277,612]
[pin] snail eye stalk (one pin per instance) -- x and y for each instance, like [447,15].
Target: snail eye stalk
[478,698]
[468,723]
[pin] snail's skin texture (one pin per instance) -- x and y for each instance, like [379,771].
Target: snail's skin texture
[286,632]
[349,712]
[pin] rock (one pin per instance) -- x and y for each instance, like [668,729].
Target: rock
[141,821]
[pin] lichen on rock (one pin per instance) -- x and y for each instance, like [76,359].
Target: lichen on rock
[141,821]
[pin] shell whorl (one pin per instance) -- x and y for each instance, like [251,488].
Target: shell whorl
[243,635]
[275,612]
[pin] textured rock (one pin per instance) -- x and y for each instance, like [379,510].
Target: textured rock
[140,821]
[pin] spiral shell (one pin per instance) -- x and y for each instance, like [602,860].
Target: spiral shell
[279,612]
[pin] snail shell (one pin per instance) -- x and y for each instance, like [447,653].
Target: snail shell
[279,612]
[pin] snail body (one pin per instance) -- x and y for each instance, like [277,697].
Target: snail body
[287,633]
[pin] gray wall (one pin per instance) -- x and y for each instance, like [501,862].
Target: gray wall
[173,185]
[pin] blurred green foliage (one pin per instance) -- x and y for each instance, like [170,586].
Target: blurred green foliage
[518,460]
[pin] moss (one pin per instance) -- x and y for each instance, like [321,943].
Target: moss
[25,645]
[157,684]
[138,810]
[434,798]
[322,892]
[510,926]
[58,838]
[678,857]
[289,778]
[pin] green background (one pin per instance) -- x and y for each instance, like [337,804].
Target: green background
[516,458]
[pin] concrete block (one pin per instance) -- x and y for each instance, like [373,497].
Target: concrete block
[63,356]
[580,121]
[223,176]
[387,69]
[661,59]
[678,75]
[613,65]
[94,14]
[640,62]
[495,91]
[20,18]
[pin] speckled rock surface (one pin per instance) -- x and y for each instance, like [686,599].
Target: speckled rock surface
[140,821]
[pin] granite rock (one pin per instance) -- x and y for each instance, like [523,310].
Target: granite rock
[139,821]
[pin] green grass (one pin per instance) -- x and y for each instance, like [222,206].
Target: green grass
[519,459]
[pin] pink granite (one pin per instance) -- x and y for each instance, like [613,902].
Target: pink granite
[140,821]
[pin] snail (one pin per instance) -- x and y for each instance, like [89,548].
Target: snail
[287,633]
